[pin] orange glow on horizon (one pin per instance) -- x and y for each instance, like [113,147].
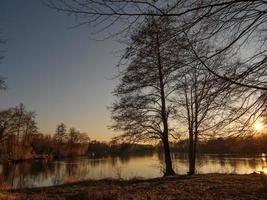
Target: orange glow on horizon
[258,126]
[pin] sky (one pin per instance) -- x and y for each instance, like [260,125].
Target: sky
[58,72]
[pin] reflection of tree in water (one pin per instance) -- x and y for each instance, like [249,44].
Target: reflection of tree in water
[233,164]
[40,171]
[127,157]
[252,163]
[113,161]
[27,174]
[97,162]
[57,177]
[38,167]
[124,158]
[45,173]
[213,163]
[71,168]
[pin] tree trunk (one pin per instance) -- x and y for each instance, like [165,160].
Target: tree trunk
[194,132]
[191,154]
[165,136]
[167,156]
[195,152]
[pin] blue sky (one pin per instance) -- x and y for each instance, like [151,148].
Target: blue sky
[56,71]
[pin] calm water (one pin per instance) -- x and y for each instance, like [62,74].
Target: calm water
[48,173]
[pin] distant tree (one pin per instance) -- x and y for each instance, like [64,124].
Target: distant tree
[143,110]
[98,149]
[84,138]
[30,129]
[76,137]
[17,126]
[42,144]
[6,118]
[60,139]
[17,121]
[77,142]
[61,135]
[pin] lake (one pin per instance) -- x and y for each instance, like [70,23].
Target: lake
[48,173]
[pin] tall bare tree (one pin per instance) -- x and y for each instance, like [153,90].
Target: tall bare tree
[143,110]
[202,103]
[208,106]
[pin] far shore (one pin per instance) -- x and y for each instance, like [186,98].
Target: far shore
[196,187]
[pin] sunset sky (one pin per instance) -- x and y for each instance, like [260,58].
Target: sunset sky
[56,71]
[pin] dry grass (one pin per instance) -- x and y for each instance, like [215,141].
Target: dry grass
[208,187]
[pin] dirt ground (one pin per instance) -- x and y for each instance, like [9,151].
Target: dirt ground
[208,187]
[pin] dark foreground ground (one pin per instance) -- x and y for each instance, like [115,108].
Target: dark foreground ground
[211,186]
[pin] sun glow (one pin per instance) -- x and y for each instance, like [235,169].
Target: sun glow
[264,170]
[258,126]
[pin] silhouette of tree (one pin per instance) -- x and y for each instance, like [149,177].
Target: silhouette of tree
[208,106]
[20,138]
[203,101]
[18,126]
[61,135]
[143,110]
[17,121]
[229,25]
[77,142]
[76,136]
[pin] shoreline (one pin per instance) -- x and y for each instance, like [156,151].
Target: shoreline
[49,157]
[201,186]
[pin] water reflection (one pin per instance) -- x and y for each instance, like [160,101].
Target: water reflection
[47,173]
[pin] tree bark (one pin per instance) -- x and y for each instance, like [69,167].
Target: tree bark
[168,161]
[194,153]
[191,154]
[193,133]
[165,136]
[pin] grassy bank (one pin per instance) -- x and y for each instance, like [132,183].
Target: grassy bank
[211,186]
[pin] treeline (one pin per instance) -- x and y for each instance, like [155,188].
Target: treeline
[236,145]
[69,143]
[101,149]
[20,138]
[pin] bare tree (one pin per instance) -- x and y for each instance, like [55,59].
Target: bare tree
[229,25]
[210,107]
[202,101]
[61,133]
[77,142]
[7,117]
[144,108]
[17,126]
[17,120]
[76,137]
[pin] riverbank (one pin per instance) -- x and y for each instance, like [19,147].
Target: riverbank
[208,187]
